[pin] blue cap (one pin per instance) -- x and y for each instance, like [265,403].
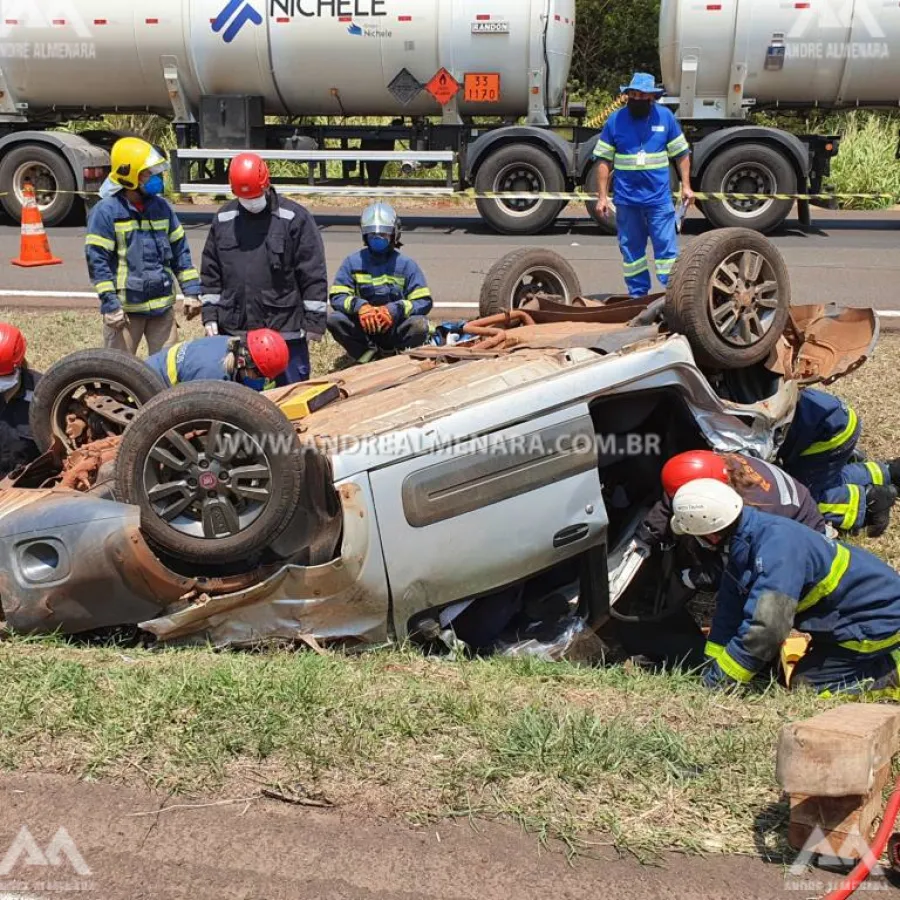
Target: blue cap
[643,82]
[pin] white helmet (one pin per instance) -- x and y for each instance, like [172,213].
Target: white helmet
[705,507]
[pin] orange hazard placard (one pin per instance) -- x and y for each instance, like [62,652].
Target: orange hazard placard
[443,87]
[482,87]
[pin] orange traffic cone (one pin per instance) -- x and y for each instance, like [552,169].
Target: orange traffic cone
[35,247]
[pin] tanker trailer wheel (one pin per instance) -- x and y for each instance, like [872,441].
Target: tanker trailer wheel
[749,169]
[90,395]
[514,278]
[216,470]
[48,172]
[520,169]
[730,296]
[591,186]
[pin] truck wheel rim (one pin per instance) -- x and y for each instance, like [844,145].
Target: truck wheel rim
[70,403]
[43,180]
[749,178]
[743,298]
[208,479]
[517,178]
[539,279]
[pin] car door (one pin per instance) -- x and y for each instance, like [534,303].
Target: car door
[466,520]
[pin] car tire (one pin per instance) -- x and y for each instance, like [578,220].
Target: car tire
[520,168]
[53,173]
[513,277]
[232,517]
[730,296]
[608,224]
[102,367]
[749,169]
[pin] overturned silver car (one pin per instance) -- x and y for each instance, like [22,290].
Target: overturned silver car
[498,480]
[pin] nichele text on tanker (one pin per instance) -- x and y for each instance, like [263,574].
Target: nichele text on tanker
[311,9]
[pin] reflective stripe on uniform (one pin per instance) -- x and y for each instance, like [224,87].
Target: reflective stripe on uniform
[340,289]
[849,510]
[872,646]
[678,146]
[665,266]
[149,305]
[407,308]
[733,669]
[379,280]
[96,240]
[829,584]
[420,294]
[316,306]
[604,151]
[631,162]
[635,268]
[876,472]
[104,287]
[837,441]
[210,299]
[189,275]
[172,363]
[177,234]
[713,651]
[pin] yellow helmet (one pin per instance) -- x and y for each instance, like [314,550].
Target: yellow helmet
[131,156]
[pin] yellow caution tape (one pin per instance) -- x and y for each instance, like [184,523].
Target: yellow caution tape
[470,194]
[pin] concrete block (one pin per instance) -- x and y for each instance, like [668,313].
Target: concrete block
[838,753]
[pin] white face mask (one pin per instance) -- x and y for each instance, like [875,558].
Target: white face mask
[255,206]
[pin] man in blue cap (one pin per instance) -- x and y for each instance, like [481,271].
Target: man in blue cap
[639,142]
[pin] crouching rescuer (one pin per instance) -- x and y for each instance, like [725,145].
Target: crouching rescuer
[780,575]
[380,301]
[254,361]
[17,382]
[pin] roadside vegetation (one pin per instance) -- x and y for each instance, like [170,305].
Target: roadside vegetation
[647,762]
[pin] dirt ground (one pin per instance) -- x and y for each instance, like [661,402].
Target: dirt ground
[262,849]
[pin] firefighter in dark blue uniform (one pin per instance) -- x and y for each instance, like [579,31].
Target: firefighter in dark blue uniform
[254,362]
[380,301]
[780,575]
[17,381]
[819,450]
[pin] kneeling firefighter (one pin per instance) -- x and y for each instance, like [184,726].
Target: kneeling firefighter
[780,575]
[380,301]
[254,361]
[17,382]
[678,638]
[820,451]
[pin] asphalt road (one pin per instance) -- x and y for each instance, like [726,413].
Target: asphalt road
[846,257]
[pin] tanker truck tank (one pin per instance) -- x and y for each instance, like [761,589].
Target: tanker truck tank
[303,57]
[724,53]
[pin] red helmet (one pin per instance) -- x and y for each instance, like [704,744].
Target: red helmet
[269,351]
[12,354]
[249,176]
[687,467]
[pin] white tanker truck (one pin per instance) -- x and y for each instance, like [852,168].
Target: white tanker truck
[221,70]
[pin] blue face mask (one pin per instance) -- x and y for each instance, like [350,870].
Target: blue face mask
[154,186]
[378,243]
[255,384]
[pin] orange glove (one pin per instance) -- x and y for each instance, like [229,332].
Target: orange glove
[369,319]
[385,319]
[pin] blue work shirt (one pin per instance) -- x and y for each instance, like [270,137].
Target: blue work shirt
[640,151]
[199,360]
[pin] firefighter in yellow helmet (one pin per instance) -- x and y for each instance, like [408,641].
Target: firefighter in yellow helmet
[136,249]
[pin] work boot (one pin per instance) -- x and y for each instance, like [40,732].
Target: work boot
[879,502]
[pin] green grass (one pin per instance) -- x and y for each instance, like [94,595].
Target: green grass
[570,753]
[645,761]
